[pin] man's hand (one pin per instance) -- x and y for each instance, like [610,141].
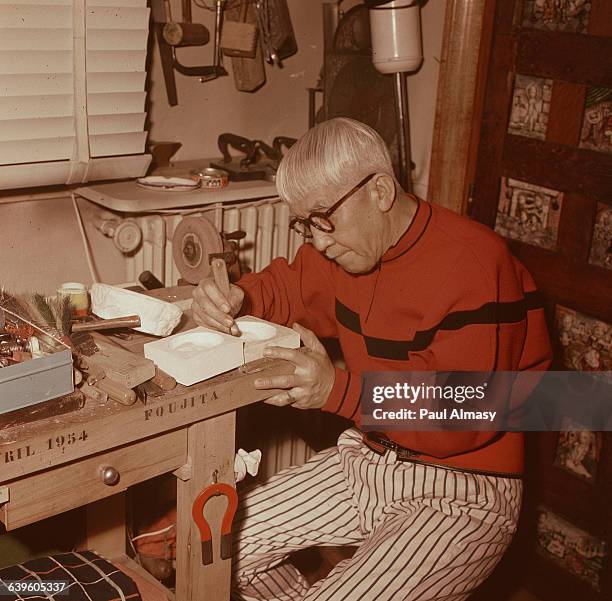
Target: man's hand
[309,386]
[211,309]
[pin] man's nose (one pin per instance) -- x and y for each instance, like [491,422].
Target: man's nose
[321,240]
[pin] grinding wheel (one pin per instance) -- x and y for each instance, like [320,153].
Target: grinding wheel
[194,239]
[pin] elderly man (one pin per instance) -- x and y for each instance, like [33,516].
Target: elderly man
[404,285]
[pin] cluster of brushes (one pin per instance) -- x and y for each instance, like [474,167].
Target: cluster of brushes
[49,319]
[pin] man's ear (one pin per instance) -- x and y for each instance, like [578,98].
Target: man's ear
[383,187]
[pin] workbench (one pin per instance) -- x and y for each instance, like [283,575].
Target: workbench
[56,464]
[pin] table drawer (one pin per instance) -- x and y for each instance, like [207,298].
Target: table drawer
[54,491]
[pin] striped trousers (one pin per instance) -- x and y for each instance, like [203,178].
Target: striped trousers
[423,532]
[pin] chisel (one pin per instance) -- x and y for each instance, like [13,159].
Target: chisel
[219,270]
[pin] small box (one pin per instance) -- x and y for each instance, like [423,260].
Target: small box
[35,381]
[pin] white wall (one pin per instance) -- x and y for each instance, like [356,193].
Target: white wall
[39,239]
[41,246]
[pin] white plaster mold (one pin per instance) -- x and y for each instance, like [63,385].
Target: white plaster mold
[202,353]
[195,355]
[257,334]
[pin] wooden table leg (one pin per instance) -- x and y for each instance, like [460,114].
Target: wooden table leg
[105,530]
[211,447]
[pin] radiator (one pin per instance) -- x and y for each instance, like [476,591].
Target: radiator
[266,223]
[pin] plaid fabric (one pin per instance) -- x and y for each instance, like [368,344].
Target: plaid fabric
[90,578]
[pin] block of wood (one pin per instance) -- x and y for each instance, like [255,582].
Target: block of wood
[118,364]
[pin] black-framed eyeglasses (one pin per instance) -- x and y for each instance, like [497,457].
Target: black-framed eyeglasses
[320,220]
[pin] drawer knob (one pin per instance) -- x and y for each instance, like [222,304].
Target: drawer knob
[109,475]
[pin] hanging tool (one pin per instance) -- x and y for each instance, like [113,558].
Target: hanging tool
[249,73]
[197,513]
[263,15]
[185,33]
[171,35]
[239,37]
[276,31]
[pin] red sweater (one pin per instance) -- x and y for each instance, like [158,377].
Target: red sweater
[448,296]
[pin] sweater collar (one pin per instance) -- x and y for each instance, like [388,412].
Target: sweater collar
[413,233]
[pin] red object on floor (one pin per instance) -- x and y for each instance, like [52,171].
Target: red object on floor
[163,545]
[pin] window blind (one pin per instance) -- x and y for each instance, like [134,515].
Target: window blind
[72,91]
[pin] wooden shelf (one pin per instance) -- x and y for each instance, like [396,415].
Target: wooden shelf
[129,197]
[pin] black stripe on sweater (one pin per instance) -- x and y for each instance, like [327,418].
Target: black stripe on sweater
[489,313]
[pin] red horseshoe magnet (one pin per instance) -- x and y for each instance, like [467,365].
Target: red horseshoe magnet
[197,511]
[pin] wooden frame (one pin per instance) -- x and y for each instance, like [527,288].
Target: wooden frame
[465,52]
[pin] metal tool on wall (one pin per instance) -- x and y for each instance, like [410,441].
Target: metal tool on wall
[275,29]
[171,35]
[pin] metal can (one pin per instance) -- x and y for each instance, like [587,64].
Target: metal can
[211,178]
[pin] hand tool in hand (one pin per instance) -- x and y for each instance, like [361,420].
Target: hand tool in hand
[221,277]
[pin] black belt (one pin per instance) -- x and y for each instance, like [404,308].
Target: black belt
[380,444]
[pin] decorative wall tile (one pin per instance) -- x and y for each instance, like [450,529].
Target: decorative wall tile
[596,131]
[571,548]
[578,452]
[586,341]
[601,244]
[528,213]
[530,106]
[557,15]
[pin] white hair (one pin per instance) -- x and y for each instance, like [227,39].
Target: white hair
[333,154]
